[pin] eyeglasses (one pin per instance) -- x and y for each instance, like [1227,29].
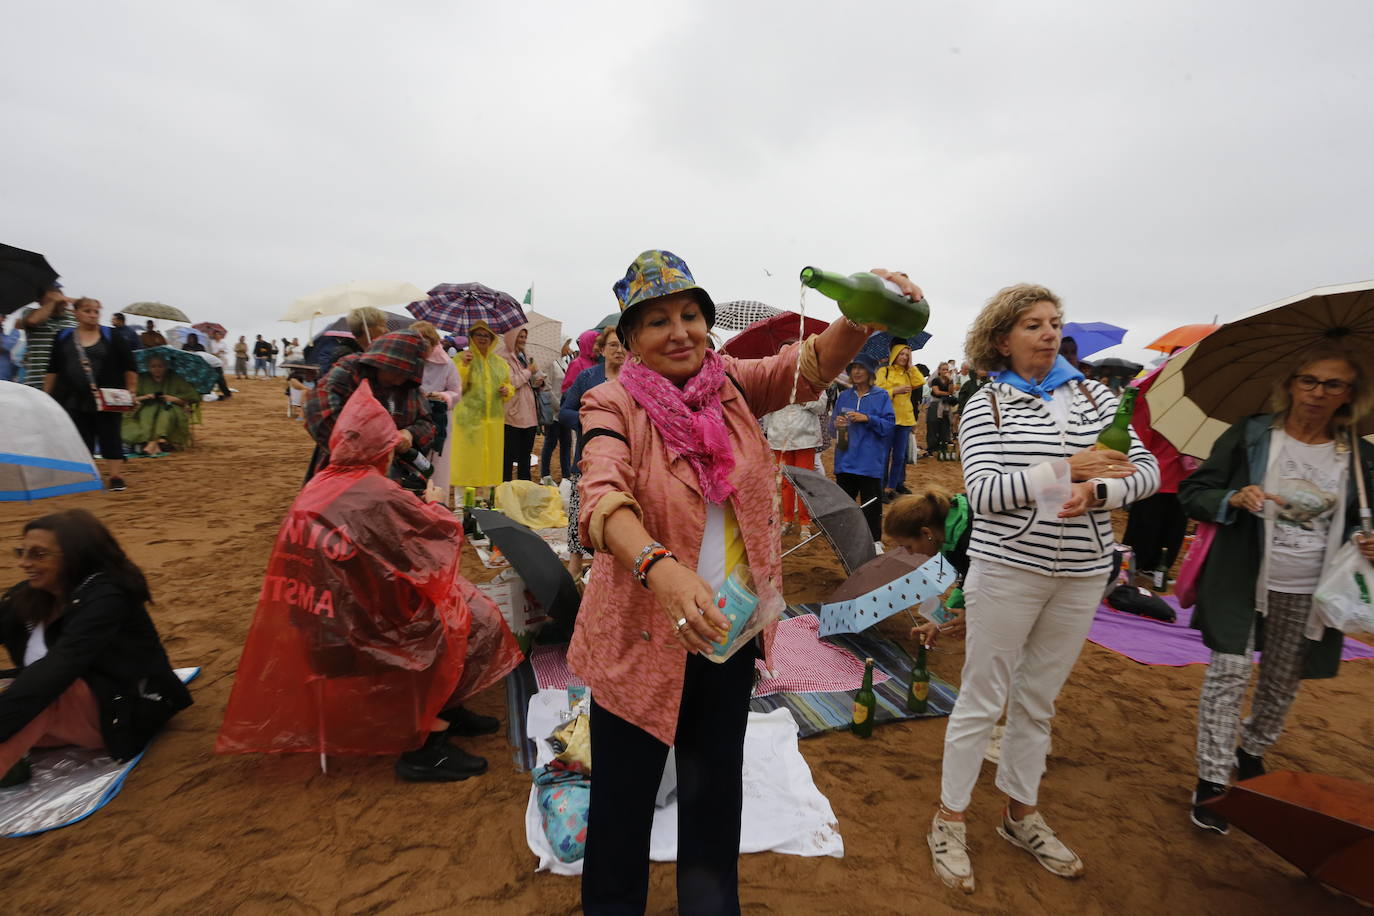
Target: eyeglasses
[34,553]
[1329,385]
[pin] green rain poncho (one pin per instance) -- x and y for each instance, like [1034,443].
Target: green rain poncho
[479,419]
[158,420]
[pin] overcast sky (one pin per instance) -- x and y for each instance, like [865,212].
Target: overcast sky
[1154,163]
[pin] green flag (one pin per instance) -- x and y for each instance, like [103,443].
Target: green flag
[529,295]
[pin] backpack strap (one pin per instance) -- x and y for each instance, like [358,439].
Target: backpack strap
[996,411]
[1087,393]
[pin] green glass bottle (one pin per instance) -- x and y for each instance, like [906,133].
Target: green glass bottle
[1159,579]
[869,299]
[865,704]
[1118,435]
[918,692]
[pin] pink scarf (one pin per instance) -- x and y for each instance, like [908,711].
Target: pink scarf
[689,419]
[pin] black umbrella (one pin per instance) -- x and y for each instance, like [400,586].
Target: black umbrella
[24,277]
[1116,365]
[836,514]
[546,578]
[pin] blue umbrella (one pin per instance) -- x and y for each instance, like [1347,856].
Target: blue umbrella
[879,345]
[1093,336]
[189,366]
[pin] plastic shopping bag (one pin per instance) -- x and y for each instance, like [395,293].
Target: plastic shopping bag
[1342,599]
[531,504]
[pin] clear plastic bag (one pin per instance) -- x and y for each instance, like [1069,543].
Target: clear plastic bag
[1343,598]
[747,608]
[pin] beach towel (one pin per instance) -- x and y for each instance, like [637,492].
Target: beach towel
[783,810]
[69,784]
[1152,642]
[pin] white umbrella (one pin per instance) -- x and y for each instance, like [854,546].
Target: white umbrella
[336,300]
[43,454]
[1230,374]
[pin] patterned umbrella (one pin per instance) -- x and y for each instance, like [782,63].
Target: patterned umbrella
[207,328]
[879,345]
[740,313]
[189,366]
[156,310]
[455,307]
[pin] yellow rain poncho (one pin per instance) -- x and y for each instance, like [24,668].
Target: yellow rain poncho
[479,419]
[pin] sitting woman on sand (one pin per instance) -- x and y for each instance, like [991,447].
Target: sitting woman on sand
[677,490]
[92,671]
[1041,495]
[1281,489]
[162,421]
[367,639]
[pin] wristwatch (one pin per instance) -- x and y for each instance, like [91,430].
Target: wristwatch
[1099,489]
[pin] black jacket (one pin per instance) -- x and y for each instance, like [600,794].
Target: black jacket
[108,641]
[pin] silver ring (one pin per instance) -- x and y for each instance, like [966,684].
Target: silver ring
[682,622]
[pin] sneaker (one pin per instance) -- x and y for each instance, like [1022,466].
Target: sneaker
[1204,817]
[438,761]
[1248,766]
[904,490]
[804,532]
[888,496]
[1033,835]
[465,723]
[993,752]
[19,774]
[948,841]
[117,484]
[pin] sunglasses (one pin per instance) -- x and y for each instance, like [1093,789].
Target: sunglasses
[1328,385]
[34,553]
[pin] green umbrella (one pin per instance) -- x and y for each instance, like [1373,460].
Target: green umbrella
[190,366]
[157,310]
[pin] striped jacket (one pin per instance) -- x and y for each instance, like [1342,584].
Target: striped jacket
[1008,457]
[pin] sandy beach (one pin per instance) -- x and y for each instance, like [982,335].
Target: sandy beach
[193,832]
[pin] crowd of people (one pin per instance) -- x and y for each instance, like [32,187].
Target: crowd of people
[673,451]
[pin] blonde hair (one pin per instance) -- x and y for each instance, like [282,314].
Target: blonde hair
[1362,401]
[907,515]
[428,331]
[362,322]
[997,319]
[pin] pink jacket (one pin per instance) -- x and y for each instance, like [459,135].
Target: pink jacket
[623,646]
[441,377]
[520,410]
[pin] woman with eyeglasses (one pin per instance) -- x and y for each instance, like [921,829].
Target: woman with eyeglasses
[1280,486]
[91,669]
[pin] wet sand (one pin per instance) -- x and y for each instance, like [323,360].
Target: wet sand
[193,832]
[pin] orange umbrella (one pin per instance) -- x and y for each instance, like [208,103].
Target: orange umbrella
[1182,337]
[1322,824]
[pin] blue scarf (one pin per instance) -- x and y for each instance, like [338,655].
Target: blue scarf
[1060,373]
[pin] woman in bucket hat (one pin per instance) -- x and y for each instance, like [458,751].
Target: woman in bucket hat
[677,488]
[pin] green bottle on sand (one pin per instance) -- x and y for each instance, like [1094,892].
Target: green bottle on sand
[918,692]
[869,299]
[865,704]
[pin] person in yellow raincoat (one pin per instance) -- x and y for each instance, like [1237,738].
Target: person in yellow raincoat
[479,419]
[902,381]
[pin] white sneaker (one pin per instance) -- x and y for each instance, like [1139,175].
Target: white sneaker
[948,841]
[1033,835]
[804,532]
[993,753]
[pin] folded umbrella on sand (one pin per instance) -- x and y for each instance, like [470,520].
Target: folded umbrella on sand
[1231,373]
[159,310]
[24,276]
[837,516]
[545,576]
[1322,824]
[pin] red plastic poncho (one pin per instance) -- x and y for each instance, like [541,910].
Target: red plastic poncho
[365,629]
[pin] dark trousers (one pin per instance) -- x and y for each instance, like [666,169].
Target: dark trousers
[556,436]
[1154,524]
[866,488]
[100,428]
[937,430]
[519,441]
[628,765]
[222,384]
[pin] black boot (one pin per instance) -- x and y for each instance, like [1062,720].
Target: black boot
[19,774]
[1248,766]
[465,723]
[438,761]
[1205,817]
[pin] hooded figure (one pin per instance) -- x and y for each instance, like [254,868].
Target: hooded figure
[394,365]
[365,629]
[586,344]
[892,378]
[479,420]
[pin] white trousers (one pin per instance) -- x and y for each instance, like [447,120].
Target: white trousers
[1025,631]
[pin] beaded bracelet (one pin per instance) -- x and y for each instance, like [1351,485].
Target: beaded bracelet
[651,554]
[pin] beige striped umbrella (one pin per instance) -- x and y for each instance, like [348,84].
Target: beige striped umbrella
[1231,373]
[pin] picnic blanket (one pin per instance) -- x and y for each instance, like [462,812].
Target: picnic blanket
[69,784]
[1152,642]
[783,810]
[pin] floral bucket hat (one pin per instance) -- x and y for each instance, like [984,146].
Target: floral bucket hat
[654,274]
